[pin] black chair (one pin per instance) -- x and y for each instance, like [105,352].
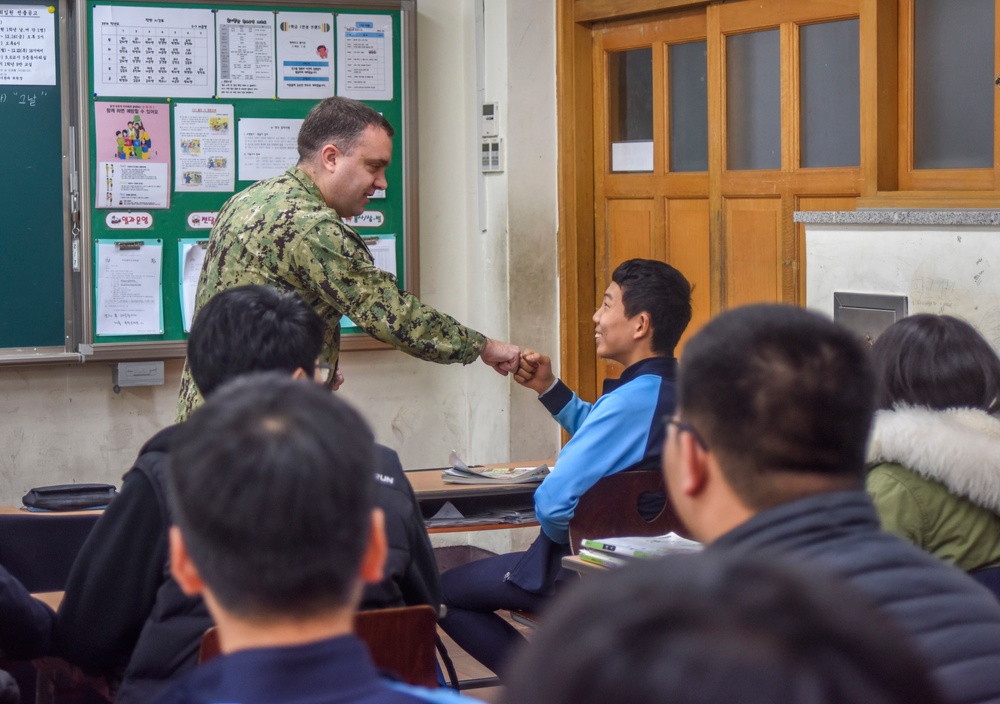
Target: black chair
[989,578]
[39,548]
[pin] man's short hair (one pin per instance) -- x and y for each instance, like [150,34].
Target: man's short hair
[713,629]
[660,290]
[936,361]
[338,121]
[776,390]
[252,328]
[271,486]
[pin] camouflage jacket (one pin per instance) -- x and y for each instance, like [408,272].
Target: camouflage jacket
[281,233]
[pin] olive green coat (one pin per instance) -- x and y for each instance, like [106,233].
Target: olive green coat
[935,481]
[281,233]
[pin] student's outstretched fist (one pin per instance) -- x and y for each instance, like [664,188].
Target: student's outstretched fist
[534,371]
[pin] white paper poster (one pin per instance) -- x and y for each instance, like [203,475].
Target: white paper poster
[27,45]
[205,147]
[364,57]
[192,253]
[153,51]
[305,55]
[129,291]
[245,47]
[267,147]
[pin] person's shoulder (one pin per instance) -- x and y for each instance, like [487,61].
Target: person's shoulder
[389,474]
[441,695]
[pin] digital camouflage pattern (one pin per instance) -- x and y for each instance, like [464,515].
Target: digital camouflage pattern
[281,233]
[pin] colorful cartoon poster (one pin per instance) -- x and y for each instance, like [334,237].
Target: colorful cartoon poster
[305,55]
[153,52]
[364,57]
[205,145]
[245,54]
[27,45]
[267,147]
[133,155]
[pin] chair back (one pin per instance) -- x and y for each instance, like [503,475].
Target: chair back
[39,548]
[989,578]
[613,508]
[401,641]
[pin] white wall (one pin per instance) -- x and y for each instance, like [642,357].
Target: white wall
[943,270]
[64,423]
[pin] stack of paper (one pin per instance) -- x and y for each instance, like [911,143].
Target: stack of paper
[613,552]
[460,473]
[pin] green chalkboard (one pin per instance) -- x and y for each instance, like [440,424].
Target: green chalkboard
[32,227]
[173,224]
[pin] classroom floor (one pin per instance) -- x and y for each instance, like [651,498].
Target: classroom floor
[468,668]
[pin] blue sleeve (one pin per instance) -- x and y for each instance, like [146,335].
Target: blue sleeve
[441,695]
[566,407]
[612,437]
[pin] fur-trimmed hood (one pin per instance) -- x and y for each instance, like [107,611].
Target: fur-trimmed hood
[959,447]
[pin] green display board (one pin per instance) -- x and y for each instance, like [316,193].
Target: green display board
[32,227]
[184,219]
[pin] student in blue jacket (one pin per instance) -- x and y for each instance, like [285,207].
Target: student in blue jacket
[645,311]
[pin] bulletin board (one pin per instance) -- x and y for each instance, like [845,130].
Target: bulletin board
[189,103]
[33,227]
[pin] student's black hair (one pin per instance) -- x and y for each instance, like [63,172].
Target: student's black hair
[252,328]
[271,485]
[936,361]
[777,390]
[716,629]
[660,290]
[338,121]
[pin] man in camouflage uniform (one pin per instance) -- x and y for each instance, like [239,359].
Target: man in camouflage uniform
[287,232]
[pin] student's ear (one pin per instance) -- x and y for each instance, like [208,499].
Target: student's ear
[181,566]
[694,466]
[643,326]
[373,561]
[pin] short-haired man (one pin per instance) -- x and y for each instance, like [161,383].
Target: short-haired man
[153,634]
[766,454]
[645,311]
[288,232]
[275,525]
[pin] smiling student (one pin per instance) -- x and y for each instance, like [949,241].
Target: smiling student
[645,311]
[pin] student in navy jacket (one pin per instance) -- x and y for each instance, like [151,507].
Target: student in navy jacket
[275,525]
[645,311]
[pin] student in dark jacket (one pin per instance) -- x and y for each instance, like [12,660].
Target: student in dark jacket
[123,615]
[766,456]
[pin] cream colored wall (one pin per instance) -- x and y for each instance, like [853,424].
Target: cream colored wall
[65,424]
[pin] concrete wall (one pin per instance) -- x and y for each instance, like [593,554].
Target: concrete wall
[64,423]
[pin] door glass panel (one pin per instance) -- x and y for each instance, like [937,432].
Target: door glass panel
[831,94]
[953,84]
[688,106]
[630,109]
[753,100]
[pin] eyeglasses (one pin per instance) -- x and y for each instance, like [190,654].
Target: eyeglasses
[683,427]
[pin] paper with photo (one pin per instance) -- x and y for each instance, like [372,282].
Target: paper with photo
[27,45]
[133,155]
[364,57]
[205,144]
[129,291]
[156,52]
[245,53]
[192,257]
[305,55]
[268,147]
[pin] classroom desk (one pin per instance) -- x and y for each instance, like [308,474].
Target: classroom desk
[432,492]
[39,547]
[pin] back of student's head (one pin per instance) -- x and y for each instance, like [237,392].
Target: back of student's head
[271,486]
[252,328]
[716,629]
[660,290]
[778,392]
[936,361]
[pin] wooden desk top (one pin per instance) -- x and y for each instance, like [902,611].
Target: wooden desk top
[427,483]
[18,511]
